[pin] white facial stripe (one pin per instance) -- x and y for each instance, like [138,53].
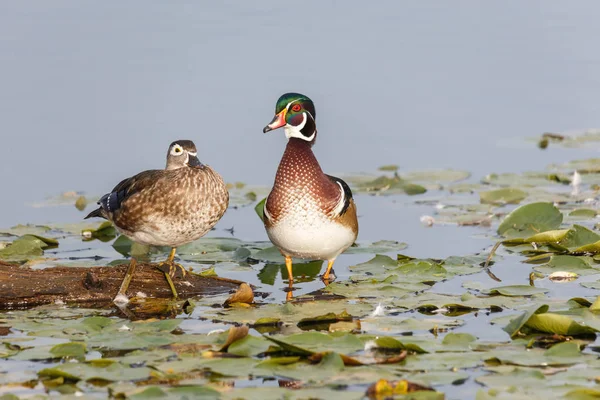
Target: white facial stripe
[193,154]
[294,131]
[338,208]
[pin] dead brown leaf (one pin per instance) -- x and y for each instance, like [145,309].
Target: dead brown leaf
[235,333]
[244,294]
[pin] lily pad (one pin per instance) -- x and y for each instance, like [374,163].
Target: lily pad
[530,219]
[27,246]
[503,196]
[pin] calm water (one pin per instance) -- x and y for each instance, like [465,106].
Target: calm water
[92,93]
[95,92]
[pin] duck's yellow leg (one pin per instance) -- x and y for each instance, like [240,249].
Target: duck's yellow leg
[127,278]
[329,266]
[288,265]
[170,269]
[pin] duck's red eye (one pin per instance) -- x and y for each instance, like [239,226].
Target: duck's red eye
[296,107]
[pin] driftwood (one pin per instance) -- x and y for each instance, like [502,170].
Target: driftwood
[95,287]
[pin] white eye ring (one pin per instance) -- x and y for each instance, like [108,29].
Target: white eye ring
[176,150]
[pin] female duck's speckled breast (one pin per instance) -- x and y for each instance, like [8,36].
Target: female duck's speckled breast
[181,206]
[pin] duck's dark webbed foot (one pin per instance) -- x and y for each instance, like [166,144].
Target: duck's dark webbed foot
[175,270]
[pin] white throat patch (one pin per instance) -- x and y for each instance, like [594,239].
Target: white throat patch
[294,131]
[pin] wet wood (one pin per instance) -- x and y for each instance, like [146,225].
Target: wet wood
[95,287]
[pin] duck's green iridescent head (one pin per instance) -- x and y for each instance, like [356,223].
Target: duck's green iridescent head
[295,112]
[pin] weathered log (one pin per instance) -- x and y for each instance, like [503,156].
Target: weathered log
[95,287]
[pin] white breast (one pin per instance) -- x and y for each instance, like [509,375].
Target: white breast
[316,238]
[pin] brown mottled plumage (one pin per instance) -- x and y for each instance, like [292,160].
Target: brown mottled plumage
[169,207]
[308,214]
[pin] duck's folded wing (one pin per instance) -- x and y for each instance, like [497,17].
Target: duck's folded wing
[111,202]
[346,196]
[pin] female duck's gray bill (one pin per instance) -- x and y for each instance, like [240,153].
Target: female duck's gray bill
[194,162]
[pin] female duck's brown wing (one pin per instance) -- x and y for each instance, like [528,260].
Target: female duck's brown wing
[112,201]
[346,191]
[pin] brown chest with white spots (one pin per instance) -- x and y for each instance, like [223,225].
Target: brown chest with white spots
[302,211]
[301,188]
[172,207]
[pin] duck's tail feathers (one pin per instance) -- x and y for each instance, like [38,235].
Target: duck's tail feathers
[96,213]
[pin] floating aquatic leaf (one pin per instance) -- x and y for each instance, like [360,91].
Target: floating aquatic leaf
[562,276]
[27,246]
[570,264]
[583,213]
[437,176]
[517,323]
[235,333]
[81,203]
[503,196]
[384,389]
[578,236]
[104,232]
[385,185]
[458,339]
[249,346]
[20,230]
[74,350]
[517,290]
[530,219]
[244,294]
[381,246]
[325,318]
[558,324]
[91,371]
[389,343]
[389,167]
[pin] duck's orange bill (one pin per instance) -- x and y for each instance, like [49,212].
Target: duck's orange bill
[278,122]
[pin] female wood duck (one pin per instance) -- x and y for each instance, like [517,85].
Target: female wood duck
[169,207]
[308,214]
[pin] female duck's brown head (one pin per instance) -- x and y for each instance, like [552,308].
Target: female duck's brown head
[295,112]
[182,153]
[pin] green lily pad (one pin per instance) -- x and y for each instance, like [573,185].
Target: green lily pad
[580,265]
[437,176]
[20,230]
[27,246]
[249,346]
[91,371]
[384,184]
[503,196]
[530,219]
[104,232]
[74,350]
[517,290]
[583,213]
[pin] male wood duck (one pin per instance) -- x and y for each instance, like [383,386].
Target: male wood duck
[308,214]
[168,207]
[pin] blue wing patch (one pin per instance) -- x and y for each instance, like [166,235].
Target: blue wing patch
[112,201]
